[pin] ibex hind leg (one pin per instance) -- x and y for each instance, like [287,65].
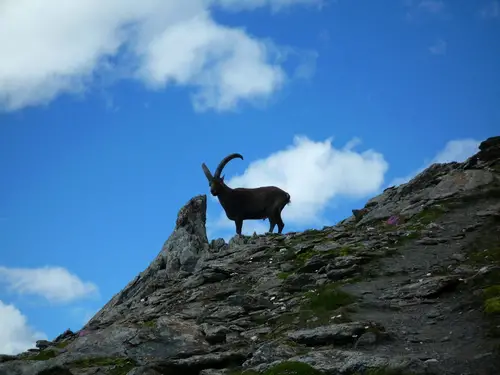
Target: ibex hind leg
[278,219]
[280,222]
[275,218]
[272,224]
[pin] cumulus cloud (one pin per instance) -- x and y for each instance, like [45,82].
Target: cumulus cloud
[415,9]
[313,173]
[439,47]
[51,47]
[457,150]
[491,10]
[275,5]
[56,284]
[431,6]
[15,334]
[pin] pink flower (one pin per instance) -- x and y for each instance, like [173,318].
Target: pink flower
[393,220]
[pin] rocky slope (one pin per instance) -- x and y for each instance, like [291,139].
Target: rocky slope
[410,284]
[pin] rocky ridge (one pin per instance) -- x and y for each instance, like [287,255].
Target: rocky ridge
[409,284]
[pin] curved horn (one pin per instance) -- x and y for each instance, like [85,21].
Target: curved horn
[223,163]
[207,172]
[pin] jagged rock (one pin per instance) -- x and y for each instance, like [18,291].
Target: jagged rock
[7,357]
[189,240]
[348,362]
[299,282]
[346,261]
[214,334]
[218,244]
[437,182]
[143,370]
[66,335]
[213,372]
[366,339]
[358,214]
[270,352]
[432,241]
[338,274]
[315,263]
[43,344]
[489,154]
[179,256]
[336,334]
[215,308]
[56,370]
[196,363]
[425,288]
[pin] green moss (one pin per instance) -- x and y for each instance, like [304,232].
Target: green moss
[353,279]
[492,291]
[492,305]
[310,237]
[122,369]
[413,234]
[284,275]
[300,319]
[303,257]
[44,355]
[259,319]
[429,215]
[312,233]
[316,310]
[292,368]
[149,323]
[118,366]
[383,371]
[486,252]
[242,372]
[328,298]
[345,250]
[486,255]
[63,344]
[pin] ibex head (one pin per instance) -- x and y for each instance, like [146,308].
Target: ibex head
[216,182]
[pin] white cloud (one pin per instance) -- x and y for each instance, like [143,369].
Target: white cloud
[313,173]
[56,284]
[439,47]
[457,150]
[16,335]
[431,6]
[51,47]
[275,5]
[419,8]
[491,10]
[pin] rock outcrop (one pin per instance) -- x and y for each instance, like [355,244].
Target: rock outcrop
[410,284]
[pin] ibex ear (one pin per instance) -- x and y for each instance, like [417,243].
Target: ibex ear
[222,178]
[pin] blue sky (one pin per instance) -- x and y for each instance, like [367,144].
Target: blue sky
[108,111]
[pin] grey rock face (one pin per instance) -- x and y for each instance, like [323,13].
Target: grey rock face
[408,284]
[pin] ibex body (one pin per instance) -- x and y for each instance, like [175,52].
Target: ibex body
[240,204]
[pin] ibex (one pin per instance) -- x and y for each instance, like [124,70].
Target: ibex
[240,204]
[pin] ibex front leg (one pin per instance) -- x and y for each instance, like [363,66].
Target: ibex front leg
[239,224]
